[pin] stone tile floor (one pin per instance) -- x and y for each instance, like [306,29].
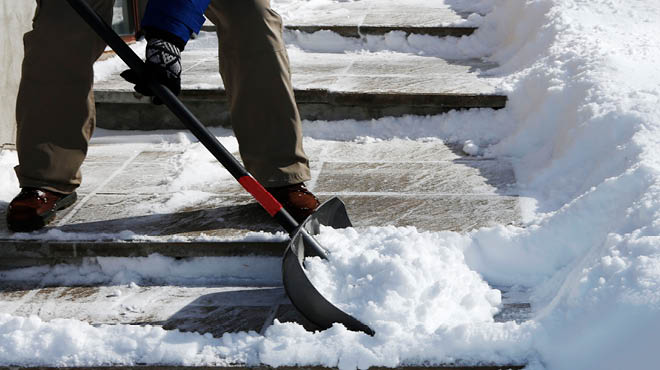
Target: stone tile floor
[405,183]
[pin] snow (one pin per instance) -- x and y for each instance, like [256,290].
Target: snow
[582,127]
[396,41]
[483,127]
[103,69]
[401,280]
[63,342]
[8,159]
[470,148]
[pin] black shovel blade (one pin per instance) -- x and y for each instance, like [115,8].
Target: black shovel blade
[307,300]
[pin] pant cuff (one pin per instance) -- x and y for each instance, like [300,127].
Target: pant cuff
[58,188]
[287,180]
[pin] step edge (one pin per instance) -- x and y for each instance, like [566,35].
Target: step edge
[359,30]
[51,250]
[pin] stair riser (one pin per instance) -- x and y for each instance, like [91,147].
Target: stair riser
[503,367]
[359,31]
[124,111]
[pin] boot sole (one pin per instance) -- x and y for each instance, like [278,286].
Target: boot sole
[43,220]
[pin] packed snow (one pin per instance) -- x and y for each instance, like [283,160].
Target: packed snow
[582,127]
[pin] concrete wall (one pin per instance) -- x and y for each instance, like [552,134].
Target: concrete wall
[15,20]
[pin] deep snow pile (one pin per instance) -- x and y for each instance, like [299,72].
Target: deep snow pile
[585,102]
[585,94]
[583,128]
[393,275]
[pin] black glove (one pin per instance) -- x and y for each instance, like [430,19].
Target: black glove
[163,64]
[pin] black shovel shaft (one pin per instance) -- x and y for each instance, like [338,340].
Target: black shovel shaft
[270,204]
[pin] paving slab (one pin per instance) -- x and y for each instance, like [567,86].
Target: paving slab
[328,86]
[458,177]
[433,213]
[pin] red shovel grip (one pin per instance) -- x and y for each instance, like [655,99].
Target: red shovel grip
[266,199]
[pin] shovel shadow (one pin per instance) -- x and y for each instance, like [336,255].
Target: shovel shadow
[214,221]
[242,310]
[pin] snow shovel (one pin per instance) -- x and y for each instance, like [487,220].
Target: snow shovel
[300,290]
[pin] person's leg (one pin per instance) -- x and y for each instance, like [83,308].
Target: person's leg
[55,105]
[255,69]
[54,111]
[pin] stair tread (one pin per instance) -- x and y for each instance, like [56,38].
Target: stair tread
[204,309]
[125,206]
[356,73]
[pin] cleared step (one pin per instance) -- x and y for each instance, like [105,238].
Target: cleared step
[327,86]
[131,206]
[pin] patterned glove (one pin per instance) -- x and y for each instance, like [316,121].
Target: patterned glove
[163,64]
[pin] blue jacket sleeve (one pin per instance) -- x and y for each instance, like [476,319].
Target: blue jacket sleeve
[178,17]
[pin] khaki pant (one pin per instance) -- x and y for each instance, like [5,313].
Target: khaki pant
[55,107]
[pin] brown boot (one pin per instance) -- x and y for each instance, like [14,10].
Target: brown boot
[296,199]
[33,208]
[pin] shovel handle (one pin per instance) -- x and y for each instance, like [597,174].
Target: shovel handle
[134,62]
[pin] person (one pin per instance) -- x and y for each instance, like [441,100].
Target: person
[55,106]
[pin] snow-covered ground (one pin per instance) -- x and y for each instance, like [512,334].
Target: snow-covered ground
[582,127]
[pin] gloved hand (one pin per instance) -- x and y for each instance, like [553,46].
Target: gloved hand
[163,64]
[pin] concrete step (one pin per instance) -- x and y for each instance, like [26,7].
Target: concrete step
[327,86]
[24,253]
[203,309]
[429,185]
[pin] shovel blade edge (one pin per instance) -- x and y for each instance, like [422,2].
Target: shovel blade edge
[304,296]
